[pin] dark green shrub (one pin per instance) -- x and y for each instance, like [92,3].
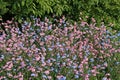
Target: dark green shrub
[107,11]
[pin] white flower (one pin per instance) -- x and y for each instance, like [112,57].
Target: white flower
[76,76]
[32,74]
[104,78]
[2,56]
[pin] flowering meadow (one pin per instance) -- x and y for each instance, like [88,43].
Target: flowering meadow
[45,50]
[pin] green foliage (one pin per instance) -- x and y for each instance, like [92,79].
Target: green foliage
[107,11]
[35,7]
[3,8]
[103,10]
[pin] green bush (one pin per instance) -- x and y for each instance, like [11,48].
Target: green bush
[107,11]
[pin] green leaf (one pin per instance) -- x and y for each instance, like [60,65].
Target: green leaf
[23,3]
[18,4]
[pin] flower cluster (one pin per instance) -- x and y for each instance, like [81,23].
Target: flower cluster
[62,51]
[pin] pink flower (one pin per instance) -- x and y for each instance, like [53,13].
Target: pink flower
[93,20]
[118,50]
[42,34]
[1,38]
[21,78]
[32,69]
[9,22]
[105,64]
[1,77]
[86,77]
[37,58]
[75,26]
[10,75]
[41,43]
[8,66]
[8,49]
[83,23]
[49,77]
[23,64]
[47,72]
[44,64]
[7,26]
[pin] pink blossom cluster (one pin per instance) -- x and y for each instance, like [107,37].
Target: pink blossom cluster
[45,50]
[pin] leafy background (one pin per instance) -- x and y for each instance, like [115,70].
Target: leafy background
[107,11]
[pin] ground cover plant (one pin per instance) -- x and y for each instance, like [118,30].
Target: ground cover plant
[44,50]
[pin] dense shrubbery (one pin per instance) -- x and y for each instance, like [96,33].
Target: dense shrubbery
[107,11]
[61,51]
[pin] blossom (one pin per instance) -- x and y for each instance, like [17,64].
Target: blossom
[2,77]
[37,58]
[73,49]
[23,64]
[33,74]
[84,23]
[47,72]
[32,69]
[76,76]
[61,77]
[104,78]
